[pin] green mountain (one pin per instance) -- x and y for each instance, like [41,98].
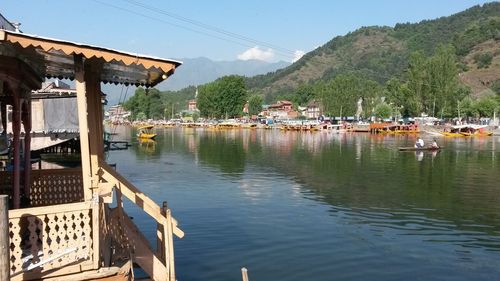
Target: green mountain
[379,53]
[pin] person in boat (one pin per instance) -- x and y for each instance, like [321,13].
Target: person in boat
[419,143]
[434,144]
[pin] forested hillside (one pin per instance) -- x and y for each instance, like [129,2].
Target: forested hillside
[379,53]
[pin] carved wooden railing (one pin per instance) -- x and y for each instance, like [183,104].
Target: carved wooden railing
[159,265]
[51,241]
[49,187]
[57,186]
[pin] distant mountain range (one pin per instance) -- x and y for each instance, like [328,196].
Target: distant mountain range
[198,71]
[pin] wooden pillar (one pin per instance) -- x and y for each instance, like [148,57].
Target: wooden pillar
[96,143]
[94,108]
[16,130]
[83,126]
[4,238]
[87,78]
[26,118]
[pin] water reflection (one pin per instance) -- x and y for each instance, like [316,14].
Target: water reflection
[322,204]
[361,171]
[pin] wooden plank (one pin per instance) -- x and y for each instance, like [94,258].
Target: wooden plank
[144,255]
[82,125]
[4,238]
[136,196]
[54,209]
[90,275]
[65,272]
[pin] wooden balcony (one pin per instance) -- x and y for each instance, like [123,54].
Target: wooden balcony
[62,235]
[51,241]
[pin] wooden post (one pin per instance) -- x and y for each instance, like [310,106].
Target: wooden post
[26,118]
[4,238]
[244,274]
[160,236]
[16,129]
[82,125]
[169,245]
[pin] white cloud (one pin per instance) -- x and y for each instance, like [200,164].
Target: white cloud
[297,55]
[256,53]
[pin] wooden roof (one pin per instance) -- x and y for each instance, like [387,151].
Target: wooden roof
[54,58]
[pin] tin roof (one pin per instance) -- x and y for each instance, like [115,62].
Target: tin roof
[53,58]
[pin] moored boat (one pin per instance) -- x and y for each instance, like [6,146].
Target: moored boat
[467,131]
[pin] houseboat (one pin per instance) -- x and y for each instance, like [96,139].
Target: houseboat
[70,224]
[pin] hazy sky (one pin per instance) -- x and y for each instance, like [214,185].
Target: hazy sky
[270,30]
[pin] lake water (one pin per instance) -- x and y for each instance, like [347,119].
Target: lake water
[321,206]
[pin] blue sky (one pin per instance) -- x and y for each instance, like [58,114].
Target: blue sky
[165,28]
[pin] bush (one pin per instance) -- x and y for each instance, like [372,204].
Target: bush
[483,60]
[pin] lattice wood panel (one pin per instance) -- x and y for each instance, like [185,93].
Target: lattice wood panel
[65,237]
[51,187]
[120,242]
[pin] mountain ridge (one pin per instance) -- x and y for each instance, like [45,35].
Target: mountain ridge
[201,70]
[381,52]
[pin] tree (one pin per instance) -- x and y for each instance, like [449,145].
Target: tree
[255,104]
[417,86]
[195,116]
[483,60]
[443,81]
[468,107]
[486,106]
[383,110]
[341,94]
[495,87]
[225,96]
[141,116]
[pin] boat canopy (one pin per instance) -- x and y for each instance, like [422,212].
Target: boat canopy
[472,126]
[147,127]
[54,58]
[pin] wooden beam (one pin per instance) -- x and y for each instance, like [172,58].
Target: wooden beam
[4,238]
[14,71]
[83,126]
[136,196]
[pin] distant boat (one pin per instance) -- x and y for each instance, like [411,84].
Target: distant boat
[467,131]
[146,132]
[412,148]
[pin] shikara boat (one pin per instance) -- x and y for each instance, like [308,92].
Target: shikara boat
[412,148]
[468,131]
[146,132]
